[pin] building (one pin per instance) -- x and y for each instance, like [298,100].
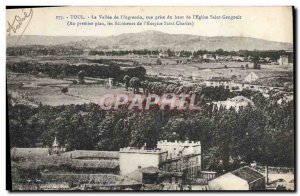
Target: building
[55,147]
[218,81]
[182,157]
[251,77]
[208,57]
[286,59]
[236,103]
[25,154]
[220,57]
[238,58]
[92,155]
[132,159]
[244,178]
[176,158]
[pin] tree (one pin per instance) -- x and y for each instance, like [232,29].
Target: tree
[64,90]
[126,80]
[255,61]
[135,84]
[158,61]
[81,75]
[145,86]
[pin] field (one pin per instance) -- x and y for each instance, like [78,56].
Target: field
[29,89]
[32,90]
[207,70]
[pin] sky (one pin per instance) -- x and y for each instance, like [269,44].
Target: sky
[269,23]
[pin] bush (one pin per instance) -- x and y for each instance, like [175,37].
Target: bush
[64,90]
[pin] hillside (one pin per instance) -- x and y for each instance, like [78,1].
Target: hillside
[154,40]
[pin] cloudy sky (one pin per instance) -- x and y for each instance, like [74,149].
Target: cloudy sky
[270,23]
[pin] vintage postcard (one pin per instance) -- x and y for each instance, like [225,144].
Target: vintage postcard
[150,98]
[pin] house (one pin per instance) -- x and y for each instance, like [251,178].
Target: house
[251,77]
[244,178]
[220,57]
[236,103]
[218,81]
[208,57]
[238,58]
[286,59]
[163,54]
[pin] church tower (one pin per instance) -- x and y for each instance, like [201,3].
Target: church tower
[55,147]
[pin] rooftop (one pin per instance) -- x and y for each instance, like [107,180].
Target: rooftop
[29,152]
[59,161]
[241,99]
[247,174]
[185,143]
[81,154]
[141,150]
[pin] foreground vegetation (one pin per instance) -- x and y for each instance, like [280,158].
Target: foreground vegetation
[264,133]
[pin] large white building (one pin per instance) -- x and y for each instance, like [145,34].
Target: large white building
[131,159]
[167,157]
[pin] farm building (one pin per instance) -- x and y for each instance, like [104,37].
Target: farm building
[244,178]
[251,77]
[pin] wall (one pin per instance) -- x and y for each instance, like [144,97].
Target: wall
[131,161]
[228,182]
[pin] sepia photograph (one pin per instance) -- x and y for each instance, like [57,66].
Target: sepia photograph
[150,99]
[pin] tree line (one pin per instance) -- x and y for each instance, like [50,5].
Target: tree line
[264,133]
[71,50]
[55,70]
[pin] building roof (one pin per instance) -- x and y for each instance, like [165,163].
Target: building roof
[95,164]
[81,154]
[58,161]
[242,99]
[99,179]
[141,150]
[247,174]
[28,152]
[219,79]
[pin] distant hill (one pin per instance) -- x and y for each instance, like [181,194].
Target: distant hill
[154,40]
